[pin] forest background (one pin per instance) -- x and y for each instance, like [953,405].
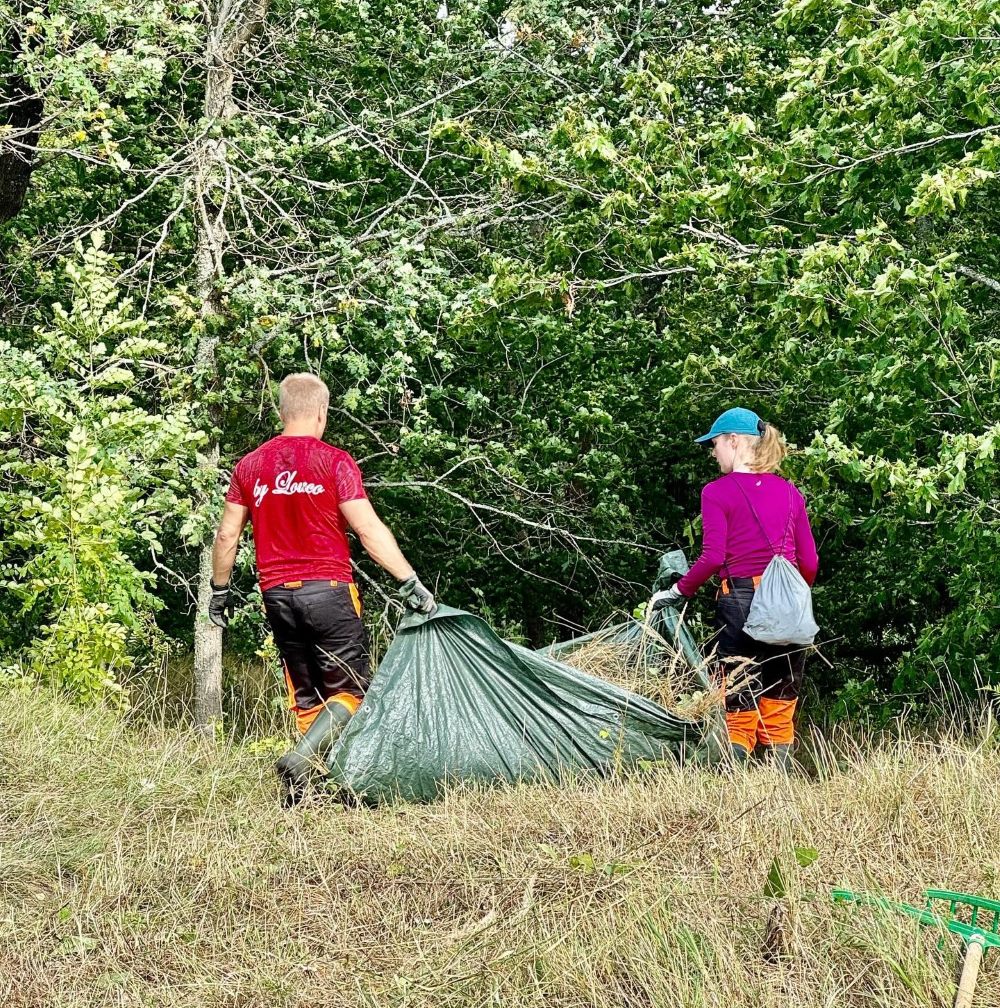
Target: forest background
[533,250]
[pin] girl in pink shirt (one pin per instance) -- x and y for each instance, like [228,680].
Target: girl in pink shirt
[749,515]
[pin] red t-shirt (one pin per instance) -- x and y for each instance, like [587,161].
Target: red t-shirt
[294,487]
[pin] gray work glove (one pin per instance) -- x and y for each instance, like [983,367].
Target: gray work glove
[415,596]
[219,609]
[670,597]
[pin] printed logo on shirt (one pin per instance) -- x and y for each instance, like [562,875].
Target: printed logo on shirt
[285,485]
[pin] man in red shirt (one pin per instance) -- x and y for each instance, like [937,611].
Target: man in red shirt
[301,495]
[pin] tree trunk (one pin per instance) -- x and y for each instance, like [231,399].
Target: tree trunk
[230,26]
[207,652]
[22,110]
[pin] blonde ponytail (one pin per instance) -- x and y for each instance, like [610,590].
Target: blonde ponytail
[770,450]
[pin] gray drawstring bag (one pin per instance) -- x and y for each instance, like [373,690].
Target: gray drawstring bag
[781,611]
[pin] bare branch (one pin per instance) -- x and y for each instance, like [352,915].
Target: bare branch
[476,507]
[979,278]
[906,149]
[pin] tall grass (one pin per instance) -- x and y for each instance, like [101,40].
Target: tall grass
[140,867]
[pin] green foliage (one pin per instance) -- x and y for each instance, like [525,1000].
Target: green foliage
[531,259]
[782,869]
[90,476]
[788,247]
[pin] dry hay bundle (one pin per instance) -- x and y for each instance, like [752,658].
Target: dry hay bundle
[653,666]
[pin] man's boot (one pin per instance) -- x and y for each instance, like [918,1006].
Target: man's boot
[740,755]
[305,762]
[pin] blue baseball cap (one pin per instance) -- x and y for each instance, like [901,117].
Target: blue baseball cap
[735,421]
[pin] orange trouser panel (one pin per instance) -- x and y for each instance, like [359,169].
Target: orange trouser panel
[725,588]
[289,686]
[742,728]
[305,718]
[777,725]
[348,700]
[770,723]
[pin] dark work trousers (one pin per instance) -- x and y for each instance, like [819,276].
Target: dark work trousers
[777,670]
[322,641]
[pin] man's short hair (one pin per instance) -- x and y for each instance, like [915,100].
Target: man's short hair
[302,395]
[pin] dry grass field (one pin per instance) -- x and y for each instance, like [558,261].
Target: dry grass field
[141,867]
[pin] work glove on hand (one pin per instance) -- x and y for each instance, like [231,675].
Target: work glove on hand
[670,597]
[218,606]
[415,596]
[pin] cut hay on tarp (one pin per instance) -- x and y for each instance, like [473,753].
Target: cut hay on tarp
[660,672]
[655,657]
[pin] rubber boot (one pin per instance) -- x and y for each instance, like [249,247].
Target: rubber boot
[779,757]
[305,762]
[740,756]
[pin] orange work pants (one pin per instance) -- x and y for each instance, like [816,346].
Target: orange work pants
[770,723]
[305,718]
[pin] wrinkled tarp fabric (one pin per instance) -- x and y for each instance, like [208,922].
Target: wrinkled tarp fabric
[672,567]
[451,701]
[664,632]
[665,627]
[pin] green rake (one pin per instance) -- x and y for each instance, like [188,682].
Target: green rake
[975,919]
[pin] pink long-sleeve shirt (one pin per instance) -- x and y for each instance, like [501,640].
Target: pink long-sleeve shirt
[736,544]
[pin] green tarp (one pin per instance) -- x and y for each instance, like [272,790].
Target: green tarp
[451,701]
[658,643]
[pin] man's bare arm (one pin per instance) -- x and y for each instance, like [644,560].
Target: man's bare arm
[379,543]
[227,539]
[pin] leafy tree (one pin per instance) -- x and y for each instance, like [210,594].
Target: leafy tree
[97,449]
[533,250]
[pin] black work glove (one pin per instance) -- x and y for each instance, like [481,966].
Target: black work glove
[219,609]
[415,596]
